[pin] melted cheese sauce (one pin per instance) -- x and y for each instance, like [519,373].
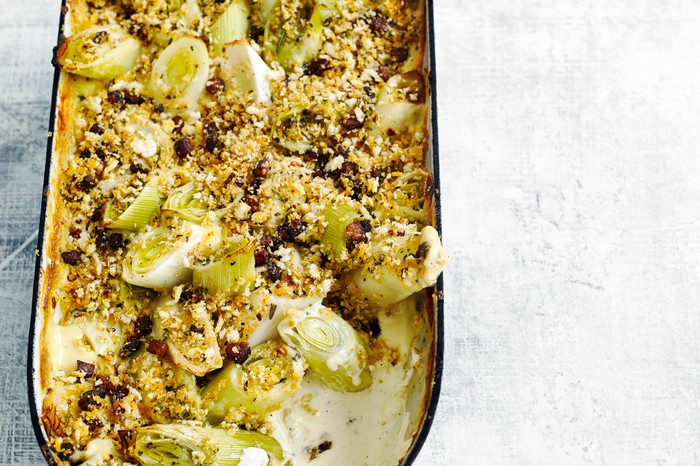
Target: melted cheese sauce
[367,428]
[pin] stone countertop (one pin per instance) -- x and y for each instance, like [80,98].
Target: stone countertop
[570,167]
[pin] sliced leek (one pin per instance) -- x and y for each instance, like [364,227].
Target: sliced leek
[180,73]
[297,129]
[404,196]
[401,103]
[338,217]
[401,266]
[278,305]
[186,202]
[271,375]
[232,269]
[248,71]
[334,351]
[293,41]
[99,52]
[189,445]
[140,212]
[233,24]
[198,352]
[158,258]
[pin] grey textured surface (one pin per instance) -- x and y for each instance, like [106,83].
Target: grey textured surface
[570,168]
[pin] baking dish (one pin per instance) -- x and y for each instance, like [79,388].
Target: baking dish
[424,386]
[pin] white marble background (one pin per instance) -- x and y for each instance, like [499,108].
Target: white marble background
[570,137]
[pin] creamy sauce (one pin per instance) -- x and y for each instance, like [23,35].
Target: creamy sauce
[367,428]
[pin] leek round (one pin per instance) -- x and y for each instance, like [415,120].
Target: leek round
[401,103]
[397,271]
[186,202]
[180,73]
[100,53]
[198,352]
[335,352]
[189,445]
[293,41]
[278,305]
[232,270]
[140,212]
[270,376]
[158,258]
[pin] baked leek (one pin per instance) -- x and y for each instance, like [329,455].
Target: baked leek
[334,351]
[180,73]
[186,202]
[189,334]
[271,375]
[293,40]
[233,24]
[401,266]
[189,445]
[100,53]
[139,213]
[231,270]
[244,67]
[401,103]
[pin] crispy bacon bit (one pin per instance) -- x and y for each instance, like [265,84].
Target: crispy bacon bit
[383,73]
[115,97]
[86,368]
[274,272]
[356,233]
[66,451]
[87,400]
[422,249]
[183,147]
[318,67]
[351,123]
[116,241]
[379,24]
[98,214]
[86,183]
[97,129]
[400,54]
[126,437]
[157,347]
[212,133]
[262,168]
[197,329]
[251,202]
[291,229]
[105,383]
[134,99]
[93,424]
[194,295]
[132,345]
[71,257]
[120,392]
[261,257]
[179,124]
[215,85]
[144,326]
[238,352]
